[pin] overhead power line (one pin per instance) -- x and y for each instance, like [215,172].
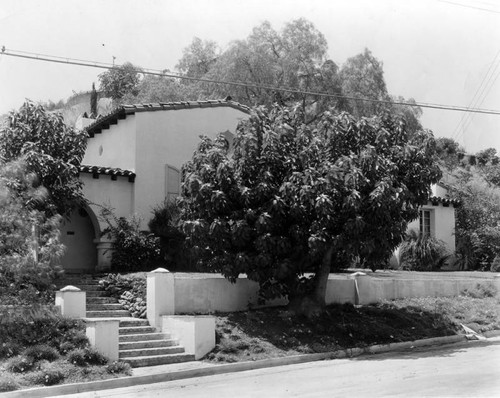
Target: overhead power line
[471,7]
[102,65]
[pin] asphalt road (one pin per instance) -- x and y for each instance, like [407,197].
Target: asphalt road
[458,371]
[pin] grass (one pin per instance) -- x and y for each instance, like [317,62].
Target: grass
[276,332]
[59,371]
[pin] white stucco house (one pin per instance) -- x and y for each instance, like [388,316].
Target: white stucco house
[436,218]
[132,162]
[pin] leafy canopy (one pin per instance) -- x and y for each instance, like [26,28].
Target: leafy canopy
[290,199]
[50,149]
[119,81]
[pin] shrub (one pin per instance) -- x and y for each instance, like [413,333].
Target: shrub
[133,249]
[86,356]
[38,326]
[20,364]
[7,383]
[166,225]
[495,264]
[94,357]
[130,290]
[47,377]
[422,252]
[77,357]
[9,349]
[40,352]
[481,290]
[119,367]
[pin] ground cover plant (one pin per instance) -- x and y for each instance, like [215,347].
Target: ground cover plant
[277,332]
[41,348]
[129,289]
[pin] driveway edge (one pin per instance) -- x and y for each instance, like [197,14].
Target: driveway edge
[231,368]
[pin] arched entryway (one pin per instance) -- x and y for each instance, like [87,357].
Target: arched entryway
[78,234]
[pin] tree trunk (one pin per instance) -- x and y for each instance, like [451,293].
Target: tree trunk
[313,304]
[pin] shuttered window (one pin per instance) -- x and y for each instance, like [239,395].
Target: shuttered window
[172,182]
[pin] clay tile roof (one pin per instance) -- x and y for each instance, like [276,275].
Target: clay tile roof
[122,111]
[435,200]
[112,171]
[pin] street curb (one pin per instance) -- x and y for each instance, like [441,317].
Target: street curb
[231,368]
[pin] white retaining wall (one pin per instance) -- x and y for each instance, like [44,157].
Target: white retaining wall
[208,293]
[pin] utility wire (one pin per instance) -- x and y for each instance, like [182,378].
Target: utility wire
[485,82]
[101,65]
[471,7]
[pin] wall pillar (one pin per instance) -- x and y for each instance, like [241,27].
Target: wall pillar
[104,253]
[195,333]
[103,336]
[160,295]
[72,302]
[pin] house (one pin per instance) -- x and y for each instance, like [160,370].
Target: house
[436,218]
[132,163]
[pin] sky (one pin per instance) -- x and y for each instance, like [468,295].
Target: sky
[435,51]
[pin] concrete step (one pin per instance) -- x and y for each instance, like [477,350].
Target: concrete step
[136,330]
[88,288]
[135,345]
[104,307]
[101,300]
[148,352]
[126,338]
[137,362]
[108,314]
[98,293]
[133,322]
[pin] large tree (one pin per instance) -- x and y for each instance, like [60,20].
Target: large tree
[295,58]
[51,150]
[120,80]
[290,202]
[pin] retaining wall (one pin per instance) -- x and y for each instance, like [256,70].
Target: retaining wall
[208,293]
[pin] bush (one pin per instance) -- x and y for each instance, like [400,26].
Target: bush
[77,357]
[9,349]
[422,252]
[166,225]
[7,383]
[39,326]
[495,264]
[86,356]
[130,290]
[40,352]
[133,249]
[481,290]
[119,367]
[20,364]
[47,377]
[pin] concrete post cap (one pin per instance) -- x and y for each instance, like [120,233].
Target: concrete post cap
[358,274]
[159,270]
[70,288]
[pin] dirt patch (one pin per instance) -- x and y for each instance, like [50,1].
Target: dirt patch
[276,332]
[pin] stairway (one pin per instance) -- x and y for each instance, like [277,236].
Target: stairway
[139,343]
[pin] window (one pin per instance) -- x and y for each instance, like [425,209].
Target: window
[425,222]
[172,182]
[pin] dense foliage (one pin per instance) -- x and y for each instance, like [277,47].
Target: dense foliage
[133,249]
[29,240]
[421,252]
[120,80]
[130,290]
[292,199]
[50,149]
[475,181]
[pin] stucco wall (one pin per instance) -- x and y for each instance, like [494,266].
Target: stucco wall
[113,147]
[207,293]
[442,224]
[104,191]
[170,137]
